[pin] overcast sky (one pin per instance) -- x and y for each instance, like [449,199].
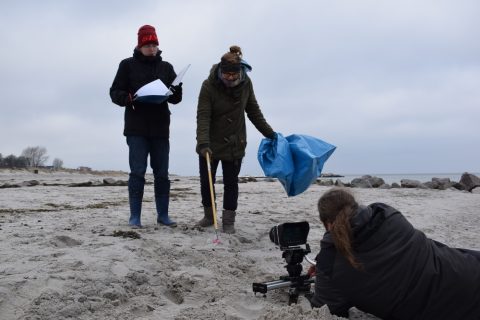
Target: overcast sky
[395,85]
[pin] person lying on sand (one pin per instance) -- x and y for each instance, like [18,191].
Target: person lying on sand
[373,259]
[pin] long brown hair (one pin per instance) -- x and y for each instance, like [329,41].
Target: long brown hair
[336,207]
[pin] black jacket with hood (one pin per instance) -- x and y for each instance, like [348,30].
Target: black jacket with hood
[143,119]
[404,274]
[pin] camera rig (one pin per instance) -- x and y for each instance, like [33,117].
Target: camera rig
[290,237]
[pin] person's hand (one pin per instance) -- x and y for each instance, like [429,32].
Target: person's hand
[312,271]
[177,90]
[176,95]
[313,302]
[129,100]
[272,136]
[204,151]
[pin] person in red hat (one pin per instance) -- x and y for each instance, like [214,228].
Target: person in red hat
[147,124]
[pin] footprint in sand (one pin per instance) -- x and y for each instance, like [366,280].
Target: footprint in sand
[65,241]
[177,289]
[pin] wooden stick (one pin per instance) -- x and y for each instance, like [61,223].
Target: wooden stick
[212,196]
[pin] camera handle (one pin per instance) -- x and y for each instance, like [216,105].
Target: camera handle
[311,261]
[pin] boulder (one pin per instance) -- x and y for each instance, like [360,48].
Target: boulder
[430,185]
[409,183]
[441,183]
[367,181]
[361,183]
[458,186]
[476,190]
[376,181]
[325,182]
[30,183]
[81,184]
[331,175]
[109,181]
[97,183]
[10,185]
[469,181]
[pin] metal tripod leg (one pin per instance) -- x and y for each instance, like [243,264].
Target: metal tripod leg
[292,296]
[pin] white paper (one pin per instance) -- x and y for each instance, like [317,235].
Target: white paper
[158,88]
[154,88]
[180,75]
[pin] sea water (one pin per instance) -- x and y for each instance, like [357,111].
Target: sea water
[397,177]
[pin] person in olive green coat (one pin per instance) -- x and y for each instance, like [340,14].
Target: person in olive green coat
[225,97]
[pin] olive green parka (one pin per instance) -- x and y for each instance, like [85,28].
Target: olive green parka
[221,117]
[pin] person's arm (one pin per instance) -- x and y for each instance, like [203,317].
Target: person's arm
[119,90]
[204,114]
[256,116]
[177,90]
[325,292]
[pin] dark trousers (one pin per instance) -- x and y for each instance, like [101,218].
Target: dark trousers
[230,170]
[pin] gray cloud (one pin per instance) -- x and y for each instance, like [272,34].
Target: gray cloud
[392,84]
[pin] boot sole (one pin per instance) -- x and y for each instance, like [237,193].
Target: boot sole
[171,225]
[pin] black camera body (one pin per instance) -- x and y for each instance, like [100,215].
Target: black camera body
[290,234]
[290,237]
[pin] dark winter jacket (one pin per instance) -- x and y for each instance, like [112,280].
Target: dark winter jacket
[143,119]
[404,274]
[221,117]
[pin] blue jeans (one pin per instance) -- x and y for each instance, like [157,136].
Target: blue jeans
[139,149]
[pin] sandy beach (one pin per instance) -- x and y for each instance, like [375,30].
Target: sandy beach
[67,252]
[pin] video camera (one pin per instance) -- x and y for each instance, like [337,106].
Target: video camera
[290,234]
[290,237]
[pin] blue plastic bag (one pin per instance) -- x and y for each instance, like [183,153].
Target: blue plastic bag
[296,161]
[276,159]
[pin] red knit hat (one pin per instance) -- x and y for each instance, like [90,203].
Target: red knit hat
[146,35]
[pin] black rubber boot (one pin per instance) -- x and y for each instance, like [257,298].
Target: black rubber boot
[207,219]
[228,221]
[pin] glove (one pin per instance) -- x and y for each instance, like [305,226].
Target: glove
[204,151]
[312,271]
[177,90]
[176,96]
[272,136]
